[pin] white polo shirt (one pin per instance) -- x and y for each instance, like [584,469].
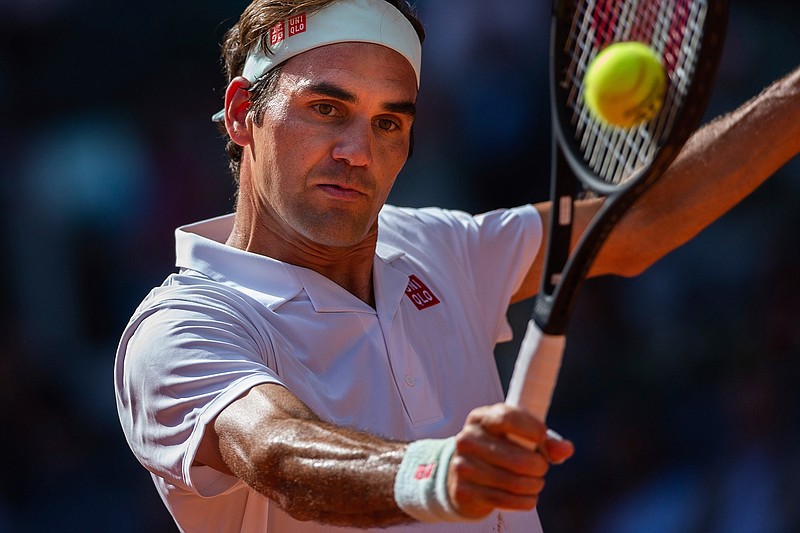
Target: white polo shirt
[411,368]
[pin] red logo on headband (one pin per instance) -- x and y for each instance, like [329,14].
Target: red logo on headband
[277,33]
[292,26]
[297,24]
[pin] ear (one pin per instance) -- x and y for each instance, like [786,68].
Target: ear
[237,103]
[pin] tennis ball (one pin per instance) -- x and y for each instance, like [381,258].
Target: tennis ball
[624,84]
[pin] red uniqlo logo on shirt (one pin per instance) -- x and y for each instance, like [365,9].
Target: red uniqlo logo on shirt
[296,24]
[420,294]
[276,34]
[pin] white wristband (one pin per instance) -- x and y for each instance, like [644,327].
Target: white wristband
[420,488]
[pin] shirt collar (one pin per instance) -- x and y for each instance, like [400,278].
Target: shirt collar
[201,247]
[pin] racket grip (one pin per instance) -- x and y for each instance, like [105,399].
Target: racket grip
[536,371]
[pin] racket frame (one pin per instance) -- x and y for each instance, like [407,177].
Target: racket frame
[563,273]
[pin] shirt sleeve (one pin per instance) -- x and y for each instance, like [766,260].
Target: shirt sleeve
[502,251]
[185,356]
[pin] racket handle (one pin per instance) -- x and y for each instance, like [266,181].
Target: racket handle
[536,371]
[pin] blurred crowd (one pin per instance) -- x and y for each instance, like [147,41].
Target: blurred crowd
[679,387]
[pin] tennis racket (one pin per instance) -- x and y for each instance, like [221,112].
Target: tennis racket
[615,163]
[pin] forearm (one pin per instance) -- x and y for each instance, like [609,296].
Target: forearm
[328,474]
[344,478]
[311,469]
[721,164]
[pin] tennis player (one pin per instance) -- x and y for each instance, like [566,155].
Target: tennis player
[322,359]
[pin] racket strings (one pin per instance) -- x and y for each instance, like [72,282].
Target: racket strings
[673,29]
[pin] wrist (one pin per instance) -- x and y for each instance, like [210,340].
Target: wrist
[420,487]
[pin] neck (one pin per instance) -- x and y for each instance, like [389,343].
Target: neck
[349,267]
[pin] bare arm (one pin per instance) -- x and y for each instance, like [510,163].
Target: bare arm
[311,469]
[329,474]
[721,164]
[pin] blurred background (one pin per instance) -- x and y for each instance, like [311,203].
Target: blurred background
[680,387]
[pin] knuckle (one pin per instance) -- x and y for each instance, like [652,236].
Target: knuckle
[477,414]
[539,466]
[464,494]
[530,486]
[466,442]
[458,464]
[462,469]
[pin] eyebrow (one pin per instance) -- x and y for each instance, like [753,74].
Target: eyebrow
[333,91]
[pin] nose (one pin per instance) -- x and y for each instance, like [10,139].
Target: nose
[354,145]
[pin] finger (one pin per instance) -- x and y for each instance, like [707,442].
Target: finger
[502,419]
[477,473]
[500,452]
[475,501]
[556,448]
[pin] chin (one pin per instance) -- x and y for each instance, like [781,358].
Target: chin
[334,237]
[340,231]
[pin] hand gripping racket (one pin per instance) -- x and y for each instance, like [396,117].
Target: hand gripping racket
[618,164]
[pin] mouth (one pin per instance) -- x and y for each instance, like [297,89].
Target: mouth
[339,191]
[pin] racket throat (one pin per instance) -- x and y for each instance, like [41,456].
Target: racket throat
[563,188]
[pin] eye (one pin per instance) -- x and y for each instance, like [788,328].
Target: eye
[387,125]
[325,109]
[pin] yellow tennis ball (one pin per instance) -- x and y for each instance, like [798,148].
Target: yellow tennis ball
[624,84]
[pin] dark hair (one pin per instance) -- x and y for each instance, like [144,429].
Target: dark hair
[251,30]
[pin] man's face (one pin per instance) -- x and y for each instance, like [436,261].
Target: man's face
[333,139]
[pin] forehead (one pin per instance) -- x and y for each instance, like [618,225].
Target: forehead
[372,66]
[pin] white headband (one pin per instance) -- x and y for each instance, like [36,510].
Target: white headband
[365,21]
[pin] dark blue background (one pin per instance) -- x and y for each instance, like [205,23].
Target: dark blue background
[679,388]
